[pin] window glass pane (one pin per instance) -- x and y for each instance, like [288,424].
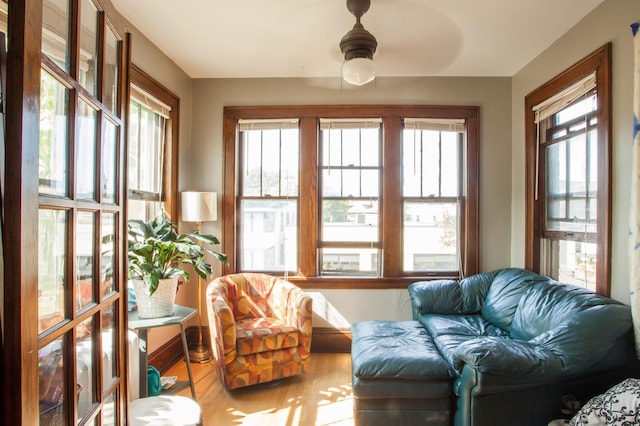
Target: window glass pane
[109,413]
[88,46]
[350,220]
[431,169]
[84,361]
[85,225]
[53,136]
[571,182]
[107,260]
[270,162]
[430,236]
[450,164]
[143,210]
[350,190]
[52,230]
[109,348]
[356,262]
[51,383]
[431,163]
[571,262]
[109,162]
[86,145]
[269,235]
[111,68]
[55,31]
[146,147]
[411,164]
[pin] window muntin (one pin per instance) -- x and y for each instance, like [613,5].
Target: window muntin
[350,192]
[54,98]
[268,197]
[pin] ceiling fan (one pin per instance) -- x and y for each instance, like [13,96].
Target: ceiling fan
[358,47]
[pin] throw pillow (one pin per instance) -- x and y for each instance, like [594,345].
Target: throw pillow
[620,405]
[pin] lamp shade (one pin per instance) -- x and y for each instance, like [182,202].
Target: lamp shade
[199,206]
[358,71]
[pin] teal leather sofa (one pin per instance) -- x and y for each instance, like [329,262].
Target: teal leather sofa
[518,341]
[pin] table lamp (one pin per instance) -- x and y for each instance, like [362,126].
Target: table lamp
[199,207]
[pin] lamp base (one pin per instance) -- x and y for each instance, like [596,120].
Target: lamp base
[199,355]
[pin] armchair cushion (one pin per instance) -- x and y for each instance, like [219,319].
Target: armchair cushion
[264,334]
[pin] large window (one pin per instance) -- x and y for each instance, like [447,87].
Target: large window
[153,138]
[569,153]
[344,196]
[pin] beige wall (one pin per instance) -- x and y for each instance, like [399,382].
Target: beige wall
[146,56]
[610,22]
[340,307]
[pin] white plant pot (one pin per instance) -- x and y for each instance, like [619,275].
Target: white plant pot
[160,303]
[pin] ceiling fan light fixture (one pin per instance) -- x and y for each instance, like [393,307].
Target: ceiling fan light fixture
[358,71]
[358,47]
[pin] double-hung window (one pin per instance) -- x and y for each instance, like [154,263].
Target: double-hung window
[569,178]
[350,240]
[153,112]
[147,124]
[268,194]
[432,194]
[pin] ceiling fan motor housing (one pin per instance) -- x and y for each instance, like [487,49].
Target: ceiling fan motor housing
[358,43]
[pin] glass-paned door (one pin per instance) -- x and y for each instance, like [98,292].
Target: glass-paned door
[80,221]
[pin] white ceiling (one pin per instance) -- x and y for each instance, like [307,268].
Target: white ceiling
[300,38]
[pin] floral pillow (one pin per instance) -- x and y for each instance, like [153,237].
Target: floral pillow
[620,405]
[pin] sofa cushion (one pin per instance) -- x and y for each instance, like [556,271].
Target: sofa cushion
[505,293]
[395,349]
[547,304]
[450,331]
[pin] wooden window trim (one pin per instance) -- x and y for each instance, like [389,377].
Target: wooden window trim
[600,62]
[393,277]
[170,166]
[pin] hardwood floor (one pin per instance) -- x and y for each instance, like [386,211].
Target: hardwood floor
[321,397]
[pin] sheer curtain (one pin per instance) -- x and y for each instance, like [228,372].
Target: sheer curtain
[634,228]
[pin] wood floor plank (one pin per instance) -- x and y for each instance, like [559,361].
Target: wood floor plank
[322,397]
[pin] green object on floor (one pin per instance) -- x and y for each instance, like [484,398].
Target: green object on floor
[154,381]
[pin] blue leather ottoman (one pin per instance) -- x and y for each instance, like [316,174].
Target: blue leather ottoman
[398,375]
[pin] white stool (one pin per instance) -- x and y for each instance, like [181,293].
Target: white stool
[165,410]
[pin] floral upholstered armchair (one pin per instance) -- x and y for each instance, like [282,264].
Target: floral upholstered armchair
[260,328]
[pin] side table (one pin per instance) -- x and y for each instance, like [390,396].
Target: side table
[180,315]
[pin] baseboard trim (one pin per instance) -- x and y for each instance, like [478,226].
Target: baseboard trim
[331,340]
[323,340]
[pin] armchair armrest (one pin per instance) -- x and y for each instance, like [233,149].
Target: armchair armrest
[294,307]
[222,325]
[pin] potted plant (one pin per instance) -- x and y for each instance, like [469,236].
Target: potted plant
[157,259]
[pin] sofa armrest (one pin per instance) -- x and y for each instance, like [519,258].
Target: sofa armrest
[222,325]
[435,297]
